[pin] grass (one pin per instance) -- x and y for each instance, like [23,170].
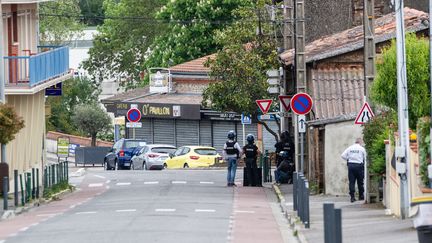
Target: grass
[49,192]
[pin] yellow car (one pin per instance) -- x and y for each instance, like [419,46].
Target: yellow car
[192,157]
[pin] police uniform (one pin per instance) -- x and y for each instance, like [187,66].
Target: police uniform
[231,153]
[284,146]
[355,155]
[251,152]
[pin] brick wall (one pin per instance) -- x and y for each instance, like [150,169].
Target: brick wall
[82,141]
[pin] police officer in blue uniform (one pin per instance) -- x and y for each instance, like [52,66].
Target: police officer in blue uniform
[355,155]
[251,153]
[231,153]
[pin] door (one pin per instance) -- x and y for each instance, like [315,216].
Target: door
[179,158]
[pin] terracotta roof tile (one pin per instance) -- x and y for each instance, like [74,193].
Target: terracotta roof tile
[128,94]
[196,65]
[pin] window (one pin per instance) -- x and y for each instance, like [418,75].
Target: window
[163,150]
[186,150]
[118,144]
[179,151]
[205,151]
[134,143]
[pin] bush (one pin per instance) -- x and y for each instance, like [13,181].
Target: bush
[423,135]
[10,123]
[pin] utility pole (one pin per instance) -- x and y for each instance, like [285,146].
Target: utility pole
[369,64]
[2,77]
[402,166]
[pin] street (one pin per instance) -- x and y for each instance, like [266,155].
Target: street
[151,206]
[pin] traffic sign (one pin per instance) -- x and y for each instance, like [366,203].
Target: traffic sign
[133,124]
[264,105]
[301,103]
[273,90]
[134,115]
[301,123]
[285,100]
[364,115]
[246,119]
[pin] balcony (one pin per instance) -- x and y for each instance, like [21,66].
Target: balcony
[28,72]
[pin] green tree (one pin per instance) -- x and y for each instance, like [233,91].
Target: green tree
[10,124]
[91,119]
[58,21]
[93,11]
[75,92]
[240,67]
[123,40]
[384,88]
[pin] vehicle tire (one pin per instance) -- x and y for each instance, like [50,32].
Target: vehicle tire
[106,166]
[165,166]
[117,166]
[185,165]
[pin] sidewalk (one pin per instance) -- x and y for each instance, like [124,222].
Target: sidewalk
[360,222]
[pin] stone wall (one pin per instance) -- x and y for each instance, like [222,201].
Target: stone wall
[195,88]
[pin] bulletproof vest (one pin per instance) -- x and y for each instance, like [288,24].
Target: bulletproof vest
[230,149]
[250,151]
[286,147]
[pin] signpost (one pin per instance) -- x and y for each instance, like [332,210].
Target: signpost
[364,115]
[62,147]
[264,105]
[285,101]
[133,116]
[245,120]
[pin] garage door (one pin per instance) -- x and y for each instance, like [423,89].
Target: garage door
[205,133]
[220,131]
[187,132]
[163,131]
[145,132]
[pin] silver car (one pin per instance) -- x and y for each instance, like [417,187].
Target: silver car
[151,156]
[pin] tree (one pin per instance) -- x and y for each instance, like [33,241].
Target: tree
[10,124]
[240,67]
[75,92]
[120,48]
[384,88]
[91,119]
[93,11]
[58,22]
[193,25]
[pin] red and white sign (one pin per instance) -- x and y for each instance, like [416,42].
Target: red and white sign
[301,103]
[264,105]
[134,115]
[364,115]
[285,100]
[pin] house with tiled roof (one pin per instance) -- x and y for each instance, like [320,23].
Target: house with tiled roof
[336,83]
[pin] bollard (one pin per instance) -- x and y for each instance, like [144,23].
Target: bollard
[295,185]
[22,191]
[52,175]
[306,205]
[67,172]
[5,192]
[338,225]
[37,183]
[301,197]
[33,190]
[28,188]
[329,219]
[45,182]
[16,191]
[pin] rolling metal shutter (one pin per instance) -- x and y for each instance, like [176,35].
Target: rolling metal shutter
[269,139]
[205,133]
[249,129]
[220,131]
[163,131]
[145,132]
[187,132]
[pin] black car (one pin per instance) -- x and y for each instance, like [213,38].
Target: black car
[121,154]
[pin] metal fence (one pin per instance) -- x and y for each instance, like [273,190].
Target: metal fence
[27,183]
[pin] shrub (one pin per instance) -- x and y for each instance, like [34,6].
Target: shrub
[423,135]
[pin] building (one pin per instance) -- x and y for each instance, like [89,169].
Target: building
[336,83]
[29,69]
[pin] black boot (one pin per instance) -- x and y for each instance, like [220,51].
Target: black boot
[353,199]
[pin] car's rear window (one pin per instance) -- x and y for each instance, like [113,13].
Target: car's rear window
[205,151]
[134,144]
[163,150]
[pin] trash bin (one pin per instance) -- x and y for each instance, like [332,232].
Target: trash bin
[423,223]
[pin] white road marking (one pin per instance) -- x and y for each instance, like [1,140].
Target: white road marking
[178,182]
[89,212]
[242,211]
[24,229]
[107,187]
[35,224]
[46,215]
[98,176]
[125,210]
[205,210]
[2,241]
[151,182]
[206,182]
[123,183]
[72,206]
[165,210]
[108,181]
[13,235]
[95,185]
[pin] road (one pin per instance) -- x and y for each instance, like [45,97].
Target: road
[190,206]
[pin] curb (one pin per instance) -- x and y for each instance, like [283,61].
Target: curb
[292,219]
[78,173]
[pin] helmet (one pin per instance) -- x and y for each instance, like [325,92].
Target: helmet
[284,154]
[250,138]
[231,135]
[285,135]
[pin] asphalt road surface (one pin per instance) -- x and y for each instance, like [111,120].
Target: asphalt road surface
[190,206]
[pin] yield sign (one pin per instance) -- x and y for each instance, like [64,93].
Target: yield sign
[285,100]
[364,115]
[264,105]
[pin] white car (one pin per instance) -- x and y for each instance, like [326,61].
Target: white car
[152,156]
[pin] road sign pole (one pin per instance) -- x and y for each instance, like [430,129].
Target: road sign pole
[244,135]
[301,153]
[133,133]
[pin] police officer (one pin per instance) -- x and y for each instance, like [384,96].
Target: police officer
[285,169]
[251,153]
[231,153]
[355,155]
[285,144]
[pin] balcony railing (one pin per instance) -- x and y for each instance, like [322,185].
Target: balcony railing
[35,69]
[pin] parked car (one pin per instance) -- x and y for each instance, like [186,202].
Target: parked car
[152,156]
[121,153]
[193,157]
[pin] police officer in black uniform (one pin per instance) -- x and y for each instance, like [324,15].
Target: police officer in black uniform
[251,153]
[285,144]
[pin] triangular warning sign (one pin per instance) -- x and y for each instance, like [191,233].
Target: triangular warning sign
[285,100]
[264,105]
[364,115]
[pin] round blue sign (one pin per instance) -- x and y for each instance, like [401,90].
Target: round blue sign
[301,103]
[134,115]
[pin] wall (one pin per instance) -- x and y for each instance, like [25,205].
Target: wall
[338,137]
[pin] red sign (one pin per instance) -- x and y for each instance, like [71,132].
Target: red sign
[364,115]
[264,105]
[285,100]
[301,103]
[134,115]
